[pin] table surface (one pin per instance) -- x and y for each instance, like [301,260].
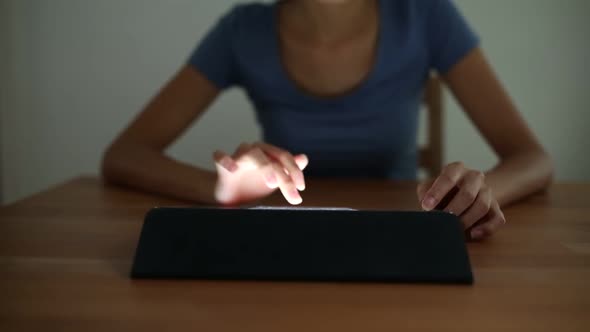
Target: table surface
[65,256]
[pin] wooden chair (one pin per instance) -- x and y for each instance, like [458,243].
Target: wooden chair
[431,155]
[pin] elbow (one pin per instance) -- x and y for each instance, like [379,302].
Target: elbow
[122,161]
[109,168]
[549,170]
[545,169]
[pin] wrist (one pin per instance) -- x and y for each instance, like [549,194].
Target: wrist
[205,188]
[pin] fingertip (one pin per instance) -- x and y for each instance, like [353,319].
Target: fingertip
[299,177]
[477,234]
[229,164]
[225,161]
[428,203]
[300,183]
[295,198]
[271,180]
[232,167]
[302,161]
[301,157]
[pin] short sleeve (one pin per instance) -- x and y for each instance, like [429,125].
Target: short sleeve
[450,37]
[214,56]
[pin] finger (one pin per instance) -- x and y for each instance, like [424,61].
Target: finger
[241,150]
[469,187]
[488,228]
[479,209]
[286,185]
[260,160]
[225,161]
[302,161]
[443,184]
[288,162]
[422,188]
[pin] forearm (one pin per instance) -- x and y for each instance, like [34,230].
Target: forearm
[517,177]
[142,168]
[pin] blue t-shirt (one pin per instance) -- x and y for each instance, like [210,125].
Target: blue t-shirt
[369,132]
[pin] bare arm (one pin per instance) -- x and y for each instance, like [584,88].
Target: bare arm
[136,158]
[524,166]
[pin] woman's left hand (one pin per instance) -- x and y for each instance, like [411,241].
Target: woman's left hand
[463,192]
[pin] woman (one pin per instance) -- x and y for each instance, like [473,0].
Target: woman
[337,85]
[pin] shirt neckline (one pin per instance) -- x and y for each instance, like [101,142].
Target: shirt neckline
[287,81]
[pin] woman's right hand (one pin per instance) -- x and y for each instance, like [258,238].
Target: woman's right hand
[255,171]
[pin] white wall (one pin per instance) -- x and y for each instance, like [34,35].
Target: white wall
[78,70]
[540,50]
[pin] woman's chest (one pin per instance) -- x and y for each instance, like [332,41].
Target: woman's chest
[329,70]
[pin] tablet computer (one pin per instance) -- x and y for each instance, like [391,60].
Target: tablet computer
[302,244]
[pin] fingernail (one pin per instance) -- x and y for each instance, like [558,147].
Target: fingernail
[476,233]
[296,199]
[301,187]
[429,203]
[228,164]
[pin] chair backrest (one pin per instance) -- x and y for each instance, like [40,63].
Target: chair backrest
[431,155]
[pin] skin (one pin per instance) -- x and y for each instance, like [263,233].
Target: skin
[327,49]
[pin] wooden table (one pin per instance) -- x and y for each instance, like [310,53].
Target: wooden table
[65,255]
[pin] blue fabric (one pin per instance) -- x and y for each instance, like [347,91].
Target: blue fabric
[369,132]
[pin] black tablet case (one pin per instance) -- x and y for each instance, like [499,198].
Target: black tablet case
[332,245]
